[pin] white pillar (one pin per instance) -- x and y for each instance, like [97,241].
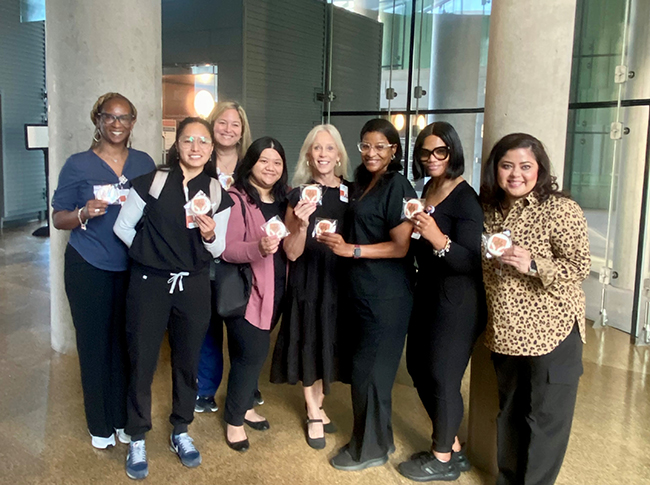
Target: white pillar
[528,80]
[93,47]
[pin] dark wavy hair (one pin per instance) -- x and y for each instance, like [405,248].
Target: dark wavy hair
[448,135]
[173,156]
[245,167]
[386,128]
[491,194]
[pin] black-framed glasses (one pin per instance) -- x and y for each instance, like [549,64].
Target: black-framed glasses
[366,147]
[109,119]
[439,153]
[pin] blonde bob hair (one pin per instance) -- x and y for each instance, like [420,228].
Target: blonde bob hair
[303,173]
[246,139]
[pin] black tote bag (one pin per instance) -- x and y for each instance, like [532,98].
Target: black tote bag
[233,284]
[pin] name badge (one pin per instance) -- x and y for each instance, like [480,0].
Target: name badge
[343,193]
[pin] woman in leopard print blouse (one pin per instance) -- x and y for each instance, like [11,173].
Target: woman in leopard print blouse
[536,308]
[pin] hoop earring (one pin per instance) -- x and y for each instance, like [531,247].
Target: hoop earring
[338,163]
[97,136]
[393,157]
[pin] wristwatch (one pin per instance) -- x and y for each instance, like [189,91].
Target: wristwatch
[356,254]
[532,269]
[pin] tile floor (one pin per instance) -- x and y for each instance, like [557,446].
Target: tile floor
[43,437]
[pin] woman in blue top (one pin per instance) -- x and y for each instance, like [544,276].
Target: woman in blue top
[96,260]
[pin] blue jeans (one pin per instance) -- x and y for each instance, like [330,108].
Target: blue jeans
[211,363]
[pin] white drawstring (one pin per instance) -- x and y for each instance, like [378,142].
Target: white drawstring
[177,278]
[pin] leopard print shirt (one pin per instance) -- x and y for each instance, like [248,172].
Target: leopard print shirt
[532,315]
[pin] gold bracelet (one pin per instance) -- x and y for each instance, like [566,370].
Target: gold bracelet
[81,223]
[441,252]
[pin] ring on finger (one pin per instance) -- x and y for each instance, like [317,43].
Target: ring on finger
[96,210]
[417,223]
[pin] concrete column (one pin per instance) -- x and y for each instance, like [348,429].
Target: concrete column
[528,79]
[93,47]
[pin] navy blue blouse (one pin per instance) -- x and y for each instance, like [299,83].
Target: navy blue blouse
[98,245]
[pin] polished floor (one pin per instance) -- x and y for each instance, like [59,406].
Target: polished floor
[43,437]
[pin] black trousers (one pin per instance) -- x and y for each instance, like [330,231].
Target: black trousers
[97,305]
[537,397]
[248,347]
[379,329]
[152,309]
[440,341]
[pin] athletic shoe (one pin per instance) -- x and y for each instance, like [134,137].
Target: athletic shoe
[205,404]
[136,461]
[122,437]
[102,443]
[183,446]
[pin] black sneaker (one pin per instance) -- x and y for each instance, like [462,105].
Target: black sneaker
[258,400]
[205,404]
[459,458]
[426,468]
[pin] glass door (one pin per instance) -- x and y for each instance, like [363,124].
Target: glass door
[606,153]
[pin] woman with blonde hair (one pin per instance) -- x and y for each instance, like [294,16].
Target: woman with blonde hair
[96,261]
[232,137]
[306,349]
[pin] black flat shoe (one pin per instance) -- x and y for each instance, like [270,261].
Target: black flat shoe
[240,446]
[258,425]
[315,443]
[344,461]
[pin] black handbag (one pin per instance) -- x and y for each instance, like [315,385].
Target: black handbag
[233,284]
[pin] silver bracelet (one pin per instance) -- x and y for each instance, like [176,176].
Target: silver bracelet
[441,252]
[81,223]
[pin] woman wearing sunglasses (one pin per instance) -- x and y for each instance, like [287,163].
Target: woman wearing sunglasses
[448,310]
[96,261]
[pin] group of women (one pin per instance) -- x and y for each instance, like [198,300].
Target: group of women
[347,298]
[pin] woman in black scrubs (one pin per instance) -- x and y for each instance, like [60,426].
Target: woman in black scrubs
[380,294]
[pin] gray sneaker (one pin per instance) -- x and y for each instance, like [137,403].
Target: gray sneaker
[137,467]
[183,446]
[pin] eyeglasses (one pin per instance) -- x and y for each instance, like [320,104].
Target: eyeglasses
[109,119]
[439,153]
[188,142]
[366,147]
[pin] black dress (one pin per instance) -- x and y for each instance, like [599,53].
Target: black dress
[306,349]
[448,312]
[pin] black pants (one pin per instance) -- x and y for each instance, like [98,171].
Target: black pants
[441,338]
[97,305]
[537,397]
[152,309]
[248,347]
[378,332]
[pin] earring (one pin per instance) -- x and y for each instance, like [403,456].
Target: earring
[393,157]
[130,139]
[97,135]
[307,162]
[338,163]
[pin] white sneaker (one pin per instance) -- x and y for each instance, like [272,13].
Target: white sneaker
[122,437]
[102,443]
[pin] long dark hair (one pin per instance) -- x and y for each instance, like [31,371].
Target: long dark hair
[491,194]
[245,167]
[173,156]
[386,128]
[448,135]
